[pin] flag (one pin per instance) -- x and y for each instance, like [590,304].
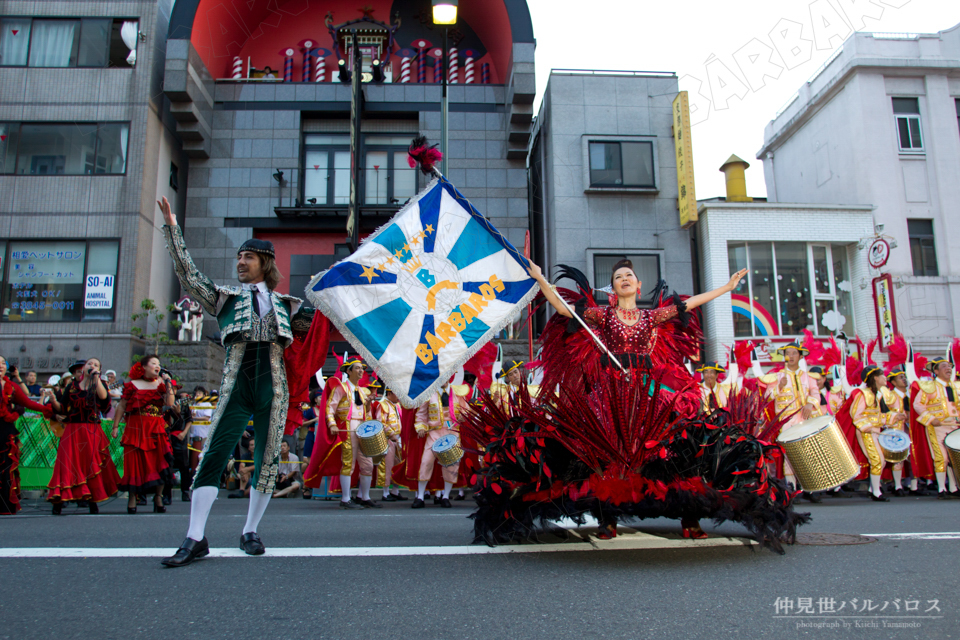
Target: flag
[425,292]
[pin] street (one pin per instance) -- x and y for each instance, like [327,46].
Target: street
[395,572]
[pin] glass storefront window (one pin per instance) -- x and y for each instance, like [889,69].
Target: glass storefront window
[59,280]
[791,286]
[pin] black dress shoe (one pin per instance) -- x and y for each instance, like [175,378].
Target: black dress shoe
[167,501]
[417,504]
[369,504]
[189,551]
[445,503]
[436,500]
[389,498]
[400,497]
[943,495]
[94,509]
[838,493]
[880,498]
[58,508]
[460,496]
[350,504]
[900,493]
[812,497]
[251,544]
[185,496]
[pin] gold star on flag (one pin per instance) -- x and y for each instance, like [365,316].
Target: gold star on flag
[369,273]
[390,260]
[429,228]
[415,240]
[399,254]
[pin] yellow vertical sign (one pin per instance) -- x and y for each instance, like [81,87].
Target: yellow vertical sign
[687,196]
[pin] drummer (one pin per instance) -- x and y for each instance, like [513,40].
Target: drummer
[897,400]
[823,406]
[508,382]
[389,412]
[795,396]
[936,407]
[431,425]
[869,419]
[714,395]
[348,406]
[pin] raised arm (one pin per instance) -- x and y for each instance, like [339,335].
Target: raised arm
[702,298]
[548,291]
[198,285]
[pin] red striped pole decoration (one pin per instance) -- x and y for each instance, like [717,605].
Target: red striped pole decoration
[320,68]
[287,64]
[453,67]
[421,47]
[306,47]
[485,73]
[469,56]
[237,68]
[437,55]
[406,56]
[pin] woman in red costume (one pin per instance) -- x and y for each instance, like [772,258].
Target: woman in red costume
[147,454]
[11,394]
[83,469]
[617,431]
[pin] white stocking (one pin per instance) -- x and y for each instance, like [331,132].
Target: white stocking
[897,479]
[364,490]
[913,484]
[952,477]
[446,489]
[201,500]
[875,485]
[258,504]
[345,488]
[421,488]
[941,481]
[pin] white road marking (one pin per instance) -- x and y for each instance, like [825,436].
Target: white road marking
[939,535]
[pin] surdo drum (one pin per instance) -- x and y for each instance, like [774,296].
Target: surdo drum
[447,450]
[372,439]
[819,454]
[894,444]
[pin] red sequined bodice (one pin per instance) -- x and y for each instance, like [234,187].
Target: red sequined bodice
[639,338]
[145,401]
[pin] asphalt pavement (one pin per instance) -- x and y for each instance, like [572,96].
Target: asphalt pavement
[396,572]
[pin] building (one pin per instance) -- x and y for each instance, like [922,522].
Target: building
[603,178]
[878,125]
[803,262]
[236,112]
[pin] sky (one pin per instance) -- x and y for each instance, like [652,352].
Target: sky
[702,40]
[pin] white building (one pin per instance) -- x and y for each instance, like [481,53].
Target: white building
[879,126]
[803,264]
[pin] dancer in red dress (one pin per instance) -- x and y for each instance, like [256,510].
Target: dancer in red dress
[10,394]
[147,454]
[84,469]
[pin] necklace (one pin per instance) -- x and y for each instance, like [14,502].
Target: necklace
[628,314]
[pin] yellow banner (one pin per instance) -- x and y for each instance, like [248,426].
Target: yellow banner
[687,198]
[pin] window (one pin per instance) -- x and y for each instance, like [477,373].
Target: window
[174,177]
[68,42]
[621,164]
[922,249]
[385,177]
[791,286]
[304,267]
[907,111]
[64,148]
[59,280]
[646,266]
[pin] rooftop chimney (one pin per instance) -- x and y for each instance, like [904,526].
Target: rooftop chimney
[733,168]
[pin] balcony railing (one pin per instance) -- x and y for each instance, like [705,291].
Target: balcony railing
[322,191]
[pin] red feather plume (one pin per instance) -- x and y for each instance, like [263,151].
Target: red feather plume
[955,350]
[427,156]
[920,365]
[897,354]
[741,353]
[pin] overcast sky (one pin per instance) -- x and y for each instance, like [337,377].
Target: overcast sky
[685,36]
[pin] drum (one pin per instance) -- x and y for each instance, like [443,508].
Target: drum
[447,450]
[952,443]
[819,454]
[894,445]
[372,439]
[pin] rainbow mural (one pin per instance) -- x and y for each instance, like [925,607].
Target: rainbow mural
[762,319]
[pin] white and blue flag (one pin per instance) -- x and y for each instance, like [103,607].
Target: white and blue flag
[425,292]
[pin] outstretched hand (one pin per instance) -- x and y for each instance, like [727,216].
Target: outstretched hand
[735,279]
[535,272]
[168,218]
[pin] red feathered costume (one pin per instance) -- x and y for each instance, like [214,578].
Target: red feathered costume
[621,444]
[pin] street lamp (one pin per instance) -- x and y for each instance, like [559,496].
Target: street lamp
[444,11]
[445,14]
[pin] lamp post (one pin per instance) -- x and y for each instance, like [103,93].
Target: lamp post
[444,13]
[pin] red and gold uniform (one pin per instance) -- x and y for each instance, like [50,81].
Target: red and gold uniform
[390,415]
[936,402]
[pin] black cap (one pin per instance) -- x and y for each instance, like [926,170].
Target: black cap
[256,245]
[76,365]
[868,371]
